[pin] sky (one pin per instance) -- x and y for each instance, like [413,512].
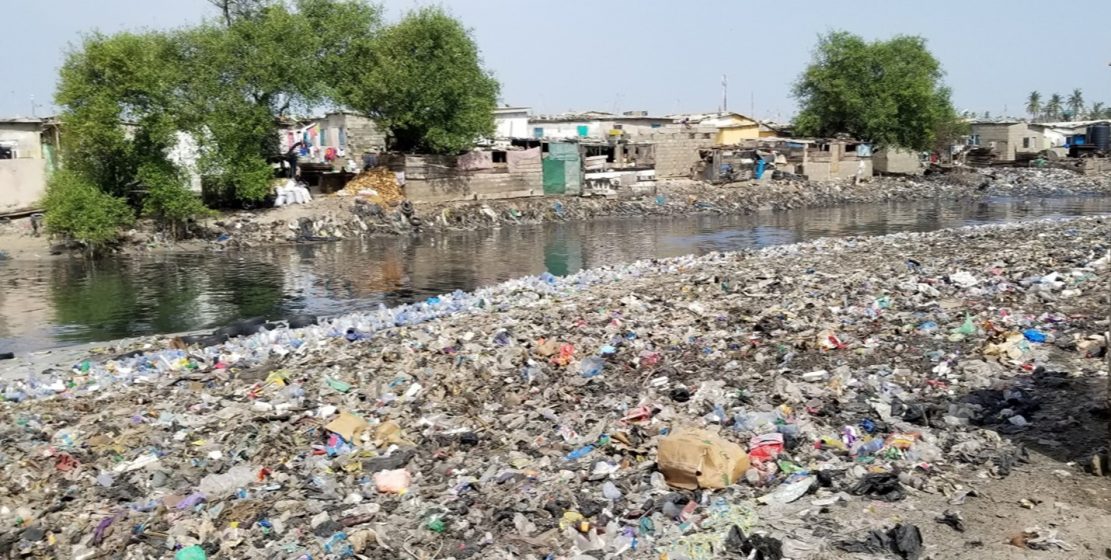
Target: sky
[660,56]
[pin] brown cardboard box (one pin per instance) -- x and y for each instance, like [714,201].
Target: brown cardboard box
[692,459]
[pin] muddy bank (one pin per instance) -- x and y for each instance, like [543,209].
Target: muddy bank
[330,218]
[333,217]
[944,388]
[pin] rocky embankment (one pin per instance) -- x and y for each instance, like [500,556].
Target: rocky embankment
[331,218]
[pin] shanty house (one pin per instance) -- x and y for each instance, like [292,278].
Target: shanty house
[733,128]
[25,161]
[1007,139]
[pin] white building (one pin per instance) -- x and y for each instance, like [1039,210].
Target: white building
[511,122]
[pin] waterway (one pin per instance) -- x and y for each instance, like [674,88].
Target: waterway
[52,303]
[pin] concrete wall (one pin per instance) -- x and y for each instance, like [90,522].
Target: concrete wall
[835,169]
[23,179]
[361,134]
[435,179]
[677,149]
[1008,138]
[896,161]
[512,125]
[633,128]
[22,183]
[27,138]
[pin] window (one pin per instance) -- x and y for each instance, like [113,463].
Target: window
[342,137]
[974,140]
[538,132]
[583,130]
[1026,142]
[656,125]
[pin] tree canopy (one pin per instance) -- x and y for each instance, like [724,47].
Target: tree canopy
[423,80]
[128,98]
[886,92]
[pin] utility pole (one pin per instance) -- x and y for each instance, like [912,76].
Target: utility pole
[724,93]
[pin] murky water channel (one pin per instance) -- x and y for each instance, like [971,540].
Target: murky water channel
[51,303]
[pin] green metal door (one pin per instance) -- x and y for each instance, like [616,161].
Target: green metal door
[555,181]
[562,169]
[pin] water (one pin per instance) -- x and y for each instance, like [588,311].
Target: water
[52,303]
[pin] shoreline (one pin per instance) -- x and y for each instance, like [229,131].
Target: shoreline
[332,218]
[949,350]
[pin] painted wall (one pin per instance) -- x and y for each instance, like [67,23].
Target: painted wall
[23,179]
[512,125]
[27,138]
[736,134]
[22,183]
[600,128]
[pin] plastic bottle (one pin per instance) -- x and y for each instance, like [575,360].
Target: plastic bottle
[579,453]
[591,367]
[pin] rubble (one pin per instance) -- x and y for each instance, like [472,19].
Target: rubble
[468,426]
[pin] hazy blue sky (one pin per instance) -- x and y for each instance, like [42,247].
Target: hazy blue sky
[656,55]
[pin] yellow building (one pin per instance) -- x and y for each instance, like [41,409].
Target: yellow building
[733,128]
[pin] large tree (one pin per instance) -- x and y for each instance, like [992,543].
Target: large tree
[1076,104]
[1096,112]
[886,92]
[127,98]
[1054,106]
[1034,105]
[423,81]
[242,77]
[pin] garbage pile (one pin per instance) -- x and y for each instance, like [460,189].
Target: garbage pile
[377,186]
[794,402]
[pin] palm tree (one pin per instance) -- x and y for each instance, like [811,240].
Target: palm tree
[1076,103]
[1034,105]
[1053,107]
[1096,112]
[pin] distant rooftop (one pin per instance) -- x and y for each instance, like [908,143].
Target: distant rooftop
[599,116]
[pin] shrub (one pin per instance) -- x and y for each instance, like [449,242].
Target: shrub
[78,210]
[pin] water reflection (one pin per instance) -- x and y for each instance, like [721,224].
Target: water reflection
[48,303]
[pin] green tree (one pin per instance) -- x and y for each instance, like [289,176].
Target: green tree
[78,210]
[233,10]
[423,81]
[1034,105]
[1096,112]
[886,92]
[1053,107]
[127,97]
[119,110]
[243,75]
[1076,104]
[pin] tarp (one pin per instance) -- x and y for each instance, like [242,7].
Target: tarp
[517,157]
